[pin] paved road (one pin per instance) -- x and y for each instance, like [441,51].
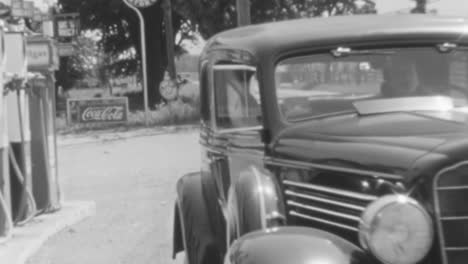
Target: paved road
[133,184]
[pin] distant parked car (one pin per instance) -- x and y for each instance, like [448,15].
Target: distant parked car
[333,140]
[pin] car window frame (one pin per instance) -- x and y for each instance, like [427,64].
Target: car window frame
[283,56]
[205,94]
[299,120]
[214,123]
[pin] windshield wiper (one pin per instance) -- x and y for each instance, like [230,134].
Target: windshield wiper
[346,51]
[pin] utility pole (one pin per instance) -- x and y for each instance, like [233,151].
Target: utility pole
[169,39]
[420,6]
[243,12]
[134,6]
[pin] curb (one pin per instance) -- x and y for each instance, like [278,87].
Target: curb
[27,240]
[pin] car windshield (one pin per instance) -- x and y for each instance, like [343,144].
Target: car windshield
[372,82]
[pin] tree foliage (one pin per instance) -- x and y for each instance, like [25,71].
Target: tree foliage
[119,40]
[78,66]
[213,16]
[117,27]
[120,37]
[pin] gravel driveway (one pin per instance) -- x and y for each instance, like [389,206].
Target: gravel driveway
[133,183]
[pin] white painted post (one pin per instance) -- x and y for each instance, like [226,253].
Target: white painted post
[143,59]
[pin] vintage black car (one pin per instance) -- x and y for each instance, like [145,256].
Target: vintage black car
[331,141]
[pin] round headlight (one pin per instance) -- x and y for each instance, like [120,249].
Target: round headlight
[396,230]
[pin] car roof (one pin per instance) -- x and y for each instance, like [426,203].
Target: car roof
[296,34]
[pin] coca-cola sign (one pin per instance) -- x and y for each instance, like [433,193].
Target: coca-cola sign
[103,114]
[105,110]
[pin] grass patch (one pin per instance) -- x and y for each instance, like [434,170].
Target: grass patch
[171,114]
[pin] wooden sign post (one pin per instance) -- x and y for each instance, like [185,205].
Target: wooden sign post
[243,12]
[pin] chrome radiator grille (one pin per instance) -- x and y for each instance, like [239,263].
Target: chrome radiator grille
[451,204]
[318,205]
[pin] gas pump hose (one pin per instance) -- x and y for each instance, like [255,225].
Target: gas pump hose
[27,195]
[48,208]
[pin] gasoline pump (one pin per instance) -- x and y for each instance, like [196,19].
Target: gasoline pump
[6,221]
[42,62]
[28,146]
[17,111]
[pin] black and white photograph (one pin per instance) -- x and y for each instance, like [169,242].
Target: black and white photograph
[233,132]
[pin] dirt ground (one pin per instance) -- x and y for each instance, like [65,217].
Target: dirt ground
[133,182]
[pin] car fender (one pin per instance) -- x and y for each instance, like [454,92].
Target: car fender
[295,245]
[192,228]
[254,203]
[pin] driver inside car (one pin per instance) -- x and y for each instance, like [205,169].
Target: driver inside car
[400,78]
[242,107]
[421,76]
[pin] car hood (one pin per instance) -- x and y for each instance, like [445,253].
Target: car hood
[393,143]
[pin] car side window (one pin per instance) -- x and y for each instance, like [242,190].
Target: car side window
[237,98]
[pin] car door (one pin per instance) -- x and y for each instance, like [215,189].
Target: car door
[236,113]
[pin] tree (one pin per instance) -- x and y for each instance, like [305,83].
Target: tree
[119,26]
[213,16]
[75,68]
[120,37]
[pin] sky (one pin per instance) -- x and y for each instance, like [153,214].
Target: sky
[41,4]
[443,7]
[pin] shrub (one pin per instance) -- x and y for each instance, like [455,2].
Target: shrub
[173,113]
[183,111]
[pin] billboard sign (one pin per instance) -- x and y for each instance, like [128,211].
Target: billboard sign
[99,110]
[67,26]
